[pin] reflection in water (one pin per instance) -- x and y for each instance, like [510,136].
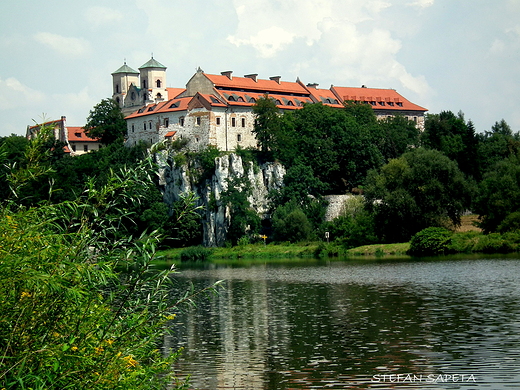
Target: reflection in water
[342,325]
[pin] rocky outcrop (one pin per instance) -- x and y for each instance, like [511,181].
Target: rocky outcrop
[176,179]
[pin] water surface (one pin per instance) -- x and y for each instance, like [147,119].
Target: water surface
[449,324]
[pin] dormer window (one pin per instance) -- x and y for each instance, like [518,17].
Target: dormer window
[231,99]
[399,104]
[252,100]
[240,99]
[77,135]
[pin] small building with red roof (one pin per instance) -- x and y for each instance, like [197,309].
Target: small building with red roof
[75,140]
[217,109]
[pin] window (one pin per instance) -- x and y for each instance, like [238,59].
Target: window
[158,83]
[118,100]
[240,99]
[158,96]
[217,120]
[117,88]
[243,122]
[132,128]
[239,137]
[73,148]
[150,125]
[144,84]
[415,119]
[77,135]
[85,148]
[181,121]
[144,126]
[252,100]
[198,121]
[196,139]
[233,122]
[166,122]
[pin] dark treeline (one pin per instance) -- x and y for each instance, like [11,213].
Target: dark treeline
[410,179]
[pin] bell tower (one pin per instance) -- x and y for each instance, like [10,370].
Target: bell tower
[122,79]
[153,82]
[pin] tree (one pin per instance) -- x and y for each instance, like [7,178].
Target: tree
[398,135]
[496,145]
[420,189]
[499,194]
[266,122]
[450,134]
[106,122]
[291,224]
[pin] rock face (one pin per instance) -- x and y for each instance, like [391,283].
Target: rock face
[175,180]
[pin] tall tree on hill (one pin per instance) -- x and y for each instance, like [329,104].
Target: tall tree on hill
[106,122]
[451,135]
[267,122]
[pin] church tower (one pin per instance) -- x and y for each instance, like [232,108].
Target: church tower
[122,80]
[153,82]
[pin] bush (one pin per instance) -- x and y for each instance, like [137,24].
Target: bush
[196,253]
[431,241]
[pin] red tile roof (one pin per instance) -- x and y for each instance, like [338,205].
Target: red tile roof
[247,83]
[174,92]
[77,134]
[170,134]
[381,99]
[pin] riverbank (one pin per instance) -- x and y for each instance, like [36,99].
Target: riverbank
[298,250]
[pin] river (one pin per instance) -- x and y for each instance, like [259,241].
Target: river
[435,324]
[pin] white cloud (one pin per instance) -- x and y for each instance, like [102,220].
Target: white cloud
[267,42]
[13,93]
[103,15]
[72,47]
[422,3]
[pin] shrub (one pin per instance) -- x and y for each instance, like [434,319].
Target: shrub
[431,241]
[196,253]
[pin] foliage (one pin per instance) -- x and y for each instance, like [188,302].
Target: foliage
[420,189]
[106,122]
[496,145]
[267,122]
[338,145]
[202,163]
[243,218]
[499,194]
[185,227]
[451,135]
[67,318]
[195,253]
[398,135]
[431,241]
[291,224]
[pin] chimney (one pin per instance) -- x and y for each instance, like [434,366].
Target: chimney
[227,74]
[275,78]
[252,76]
[313,85]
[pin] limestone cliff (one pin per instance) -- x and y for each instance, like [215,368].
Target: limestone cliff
[175,180]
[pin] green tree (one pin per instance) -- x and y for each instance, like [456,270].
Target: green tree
[398,135]
[106,122]
[450,134]
[267,123]
[499,194]
[291,224]
[420,189]
[496,145]
[243,218]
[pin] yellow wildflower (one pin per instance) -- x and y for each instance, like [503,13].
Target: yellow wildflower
[130,361]
[98,350]
[109,341]
[25,294]
[74,349]
[171,317]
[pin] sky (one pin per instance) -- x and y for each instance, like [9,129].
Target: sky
[57,56]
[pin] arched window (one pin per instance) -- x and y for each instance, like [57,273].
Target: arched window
[117,88]
[181,121]
[158,83]
[243,122]
[198,121]
[158,96]
[240,99]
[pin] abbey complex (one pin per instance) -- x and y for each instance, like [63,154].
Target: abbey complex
[217,109]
